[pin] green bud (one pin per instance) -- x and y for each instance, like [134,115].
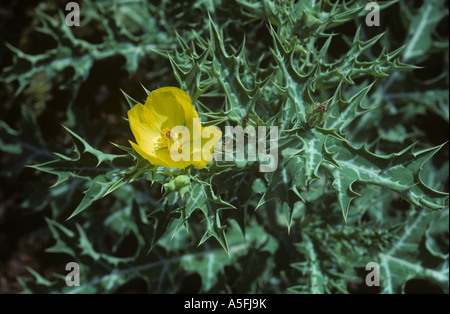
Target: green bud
[315,114]
[180,183]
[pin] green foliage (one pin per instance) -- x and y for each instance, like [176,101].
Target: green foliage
[357,181]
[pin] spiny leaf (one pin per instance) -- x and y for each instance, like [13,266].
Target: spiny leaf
[403,261]
[399,172]
[421,28]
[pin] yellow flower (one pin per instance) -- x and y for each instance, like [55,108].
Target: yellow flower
[168,131]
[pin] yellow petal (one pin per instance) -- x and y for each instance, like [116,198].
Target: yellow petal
[144,127]
[152,159]
[208,145]
[191,117]
[164,155]
[168,105]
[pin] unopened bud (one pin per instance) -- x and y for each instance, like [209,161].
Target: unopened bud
[180,183]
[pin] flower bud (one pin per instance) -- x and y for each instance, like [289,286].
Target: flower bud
[180,183]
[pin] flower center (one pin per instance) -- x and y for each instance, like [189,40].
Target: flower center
[167,139]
